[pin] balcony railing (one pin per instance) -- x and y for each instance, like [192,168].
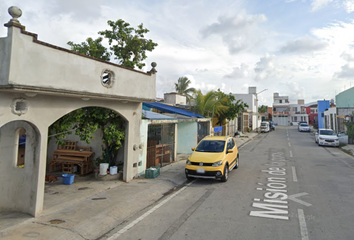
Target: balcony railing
[280,113]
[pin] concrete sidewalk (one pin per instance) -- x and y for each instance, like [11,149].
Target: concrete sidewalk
[91,207]
[349,148]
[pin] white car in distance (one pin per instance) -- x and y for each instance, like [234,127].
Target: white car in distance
[326,137]
[304,127]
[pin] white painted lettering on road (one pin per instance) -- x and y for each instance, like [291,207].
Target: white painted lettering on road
[274,211]
[275,201]
[273,205]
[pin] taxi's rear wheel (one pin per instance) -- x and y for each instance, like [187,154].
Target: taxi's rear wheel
[226,174]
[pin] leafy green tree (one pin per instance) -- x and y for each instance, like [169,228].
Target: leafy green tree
[263,109]
[350,131]
[85,122]
[231,107]
[182,87]
[210,105]
[219,105]
[128,45]
[90,47]
[205,104]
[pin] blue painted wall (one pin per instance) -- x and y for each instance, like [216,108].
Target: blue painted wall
[322,106]
[187,137]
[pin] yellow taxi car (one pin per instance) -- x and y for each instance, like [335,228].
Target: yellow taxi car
[214,157]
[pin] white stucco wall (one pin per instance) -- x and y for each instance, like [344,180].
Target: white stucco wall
[331,118]
[5,54]
[18,186]
[174,98]
[60,80]
[52,68]
[44,110]
[250,99]
[187,137]
[143,140]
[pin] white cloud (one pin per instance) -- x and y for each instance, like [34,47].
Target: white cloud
[346,72]
[338,33]
[295,90]
[318,4]
[348,56]
[335,61]
[266,68]
[239,72]
[202,86]
[349,6]
[304,45]
[240,33]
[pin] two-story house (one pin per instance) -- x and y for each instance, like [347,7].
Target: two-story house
[281,109]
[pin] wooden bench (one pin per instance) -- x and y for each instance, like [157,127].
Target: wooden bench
[69,155]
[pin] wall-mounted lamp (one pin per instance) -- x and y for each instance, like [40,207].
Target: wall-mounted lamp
[85,99]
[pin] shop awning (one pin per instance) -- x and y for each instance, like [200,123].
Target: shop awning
[154,115]
[170,109]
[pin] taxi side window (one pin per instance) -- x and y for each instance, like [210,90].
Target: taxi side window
[230,144]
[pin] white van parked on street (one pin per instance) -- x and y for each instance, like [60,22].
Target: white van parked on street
[265,127]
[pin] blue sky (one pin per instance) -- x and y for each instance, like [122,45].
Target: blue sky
[299,48]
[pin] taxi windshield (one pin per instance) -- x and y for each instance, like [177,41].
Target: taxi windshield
[211,146]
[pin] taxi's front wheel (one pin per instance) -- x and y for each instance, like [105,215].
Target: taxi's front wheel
[226,174]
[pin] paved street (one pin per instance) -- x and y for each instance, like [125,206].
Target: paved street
[286,188]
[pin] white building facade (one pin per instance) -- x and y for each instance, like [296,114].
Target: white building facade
[251,100]
[281,110]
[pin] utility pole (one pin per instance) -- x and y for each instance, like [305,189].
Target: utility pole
[257,106]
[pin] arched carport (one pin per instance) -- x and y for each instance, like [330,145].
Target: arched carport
[39,83]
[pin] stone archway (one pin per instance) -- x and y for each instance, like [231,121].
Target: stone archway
[95,142]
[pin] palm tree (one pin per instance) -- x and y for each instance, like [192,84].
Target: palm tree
[209,104]
[182,88]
